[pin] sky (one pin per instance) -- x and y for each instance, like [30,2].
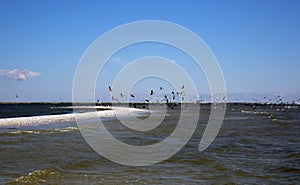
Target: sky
[256,43]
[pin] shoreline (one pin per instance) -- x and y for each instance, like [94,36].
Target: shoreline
[110,104]
[51,119]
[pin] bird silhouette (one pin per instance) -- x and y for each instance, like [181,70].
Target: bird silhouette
[114,98]
[166,98]
[151,92]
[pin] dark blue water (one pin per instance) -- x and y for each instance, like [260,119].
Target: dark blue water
[10,110]
[256,145]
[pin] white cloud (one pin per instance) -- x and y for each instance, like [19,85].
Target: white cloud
[18,74]
[118,61]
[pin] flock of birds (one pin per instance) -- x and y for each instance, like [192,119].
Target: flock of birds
[152,97]
[173,96]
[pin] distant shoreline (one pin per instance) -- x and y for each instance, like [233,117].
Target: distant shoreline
[142,103]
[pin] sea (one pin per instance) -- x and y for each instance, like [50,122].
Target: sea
[257,144]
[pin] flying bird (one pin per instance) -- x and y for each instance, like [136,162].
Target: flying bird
[166,98]
[17,96]
[182,87]
[180,92]
[151,92]
[161,88]
[132,95]
[114,98]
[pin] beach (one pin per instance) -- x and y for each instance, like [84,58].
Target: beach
[50,119]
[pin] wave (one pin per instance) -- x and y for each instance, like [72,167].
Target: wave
[254,112]
[20,132]
[36,177]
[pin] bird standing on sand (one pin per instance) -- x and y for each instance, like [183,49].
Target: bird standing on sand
[109,88]
[161,88]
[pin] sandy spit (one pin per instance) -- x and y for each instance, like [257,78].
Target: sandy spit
[48,119]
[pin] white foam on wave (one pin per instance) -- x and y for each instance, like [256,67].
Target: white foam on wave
[254,112]
[67,129]
[35,177]
[50,119]
[25,132]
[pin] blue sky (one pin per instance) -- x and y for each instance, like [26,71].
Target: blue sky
[257,43]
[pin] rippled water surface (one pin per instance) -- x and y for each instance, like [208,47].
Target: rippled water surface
[256,145]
